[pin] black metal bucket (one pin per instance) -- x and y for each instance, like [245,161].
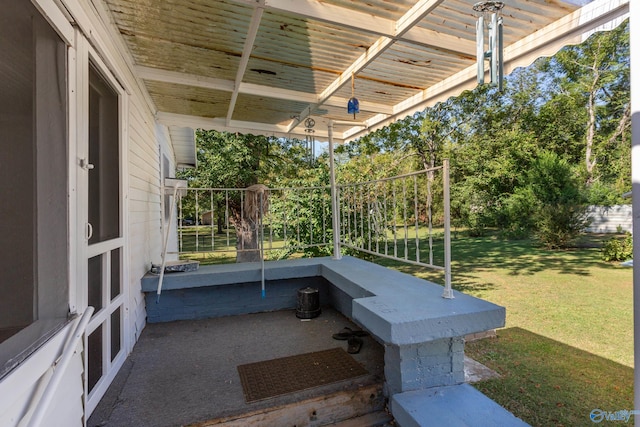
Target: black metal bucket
[308,303]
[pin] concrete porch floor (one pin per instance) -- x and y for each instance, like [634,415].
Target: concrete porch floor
[185,372]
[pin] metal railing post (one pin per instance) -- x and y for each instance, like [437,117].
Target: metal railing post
[448,292]
[335,208]
[634,64]
[261,243]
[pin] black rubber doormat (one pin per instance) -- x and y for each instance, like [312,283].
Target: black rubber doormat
[271,378]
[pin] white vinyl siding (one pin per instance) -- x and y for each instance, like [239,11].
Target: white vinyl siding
[144,205]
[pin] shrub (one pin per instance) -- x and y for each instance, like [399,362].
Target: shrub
[559,201]
[616,249]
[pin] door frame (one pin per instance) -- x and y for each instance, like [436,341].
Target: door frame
[84,55]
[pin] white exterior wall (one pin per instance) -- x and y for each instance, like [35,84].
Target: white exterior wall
[607,219]
[145,207]
[143,238]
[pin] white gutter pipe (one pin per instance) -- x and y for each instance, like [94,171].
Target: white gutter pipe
[176,185]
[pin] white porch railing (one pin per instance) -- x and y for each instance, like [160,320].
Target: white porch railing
[394,218]
[297,218]
[405,218]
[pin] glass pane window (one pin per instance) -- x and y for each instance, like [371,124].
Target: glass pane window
[115,273]
[33,177]
[104,155]
[94,357]
[116,343]
[94,280]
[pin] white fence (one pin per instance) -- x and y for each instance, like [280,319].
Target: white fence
[610,219]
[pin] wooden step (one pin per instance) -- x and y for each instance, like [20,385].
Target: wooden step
[365,407]
[374,419]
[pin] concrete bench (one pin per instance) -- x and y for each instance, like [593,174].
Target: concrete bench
[423,333]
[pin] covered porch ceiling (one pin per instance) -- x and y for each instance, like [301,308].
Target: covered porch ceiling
[264,66]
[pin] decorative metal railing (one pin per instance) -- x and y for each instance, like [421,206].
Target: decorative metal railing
[405,218]
[295,219]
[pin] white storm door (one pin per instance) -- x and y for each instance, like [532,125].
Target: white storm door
[102,205]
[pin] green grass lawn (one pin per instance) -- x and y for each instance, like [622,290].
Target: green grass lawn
[568,343]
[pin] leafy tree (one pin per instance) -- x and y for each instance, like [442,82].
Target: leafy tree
[551,201]
[228,160]
[595,77]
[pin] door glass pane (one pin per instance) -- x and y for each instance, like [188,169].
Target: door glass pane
[115,333]
[115,273]
[104,154]
[94,356]
[95,283]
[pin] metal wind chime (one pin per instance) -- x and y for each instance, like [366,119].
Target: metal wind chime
[310,140]
[489,19]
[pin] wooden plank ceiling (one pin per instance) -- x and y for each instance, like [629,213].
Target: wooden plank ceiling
[264,66]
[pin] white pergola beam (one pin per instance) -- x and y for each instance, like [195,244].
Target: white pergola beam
[277,93]
[414,15]
[221,125]
[250,40]
[174,77]
[369,24]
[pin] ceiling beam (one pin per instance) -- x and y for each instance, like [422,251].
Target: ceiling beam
[414,15]
[368,23]
[250,40]
[175,77]
[220,125]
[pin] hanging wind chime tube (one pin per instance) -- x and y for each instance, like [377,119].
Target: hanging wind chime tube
[353,106]
[494,53]
[310,140]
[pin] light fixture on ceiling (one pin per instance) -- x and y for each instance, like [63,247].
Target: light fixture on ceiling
[489,18]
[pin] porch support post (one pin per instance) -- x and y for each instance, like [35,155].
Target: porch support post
[335,208]
[634,37]
[448,292]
